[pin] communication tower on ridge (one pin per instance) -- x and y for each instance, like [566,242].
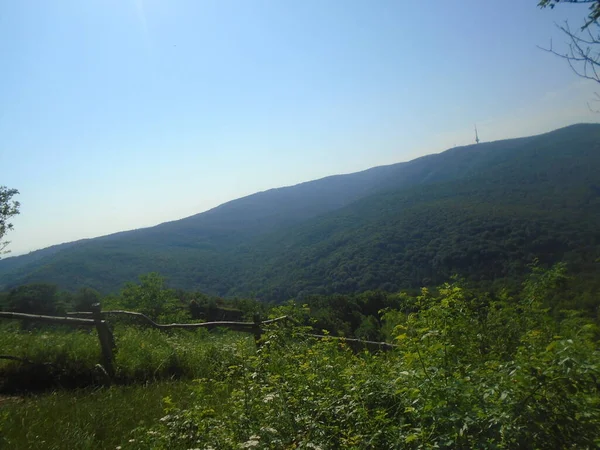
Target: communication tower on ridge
[476,135]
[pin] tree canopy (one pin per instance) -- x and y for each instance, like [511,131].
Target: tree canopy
[594,8]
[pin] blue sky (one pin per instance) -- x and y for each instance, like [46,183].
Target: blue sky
[121,114]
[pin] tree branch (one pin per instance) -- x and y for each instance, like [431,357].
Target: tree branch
[582,60]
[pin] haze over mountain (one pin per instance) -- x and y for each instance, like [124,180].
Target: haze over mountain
[483,211]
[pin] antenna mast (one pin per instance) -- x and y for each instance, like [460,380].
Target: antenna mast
[476,135]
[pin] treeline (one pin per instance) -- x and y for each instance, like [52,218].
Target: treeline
[358,315]
[149,295]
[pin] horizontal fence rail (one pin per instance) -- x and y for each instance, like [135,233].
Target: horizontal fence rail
[57,320]
[105,336]
[25,360]
[248,327]
[355,343]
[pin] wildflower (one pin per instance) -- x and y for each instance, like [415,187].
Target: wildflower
[268,398]
[252,442]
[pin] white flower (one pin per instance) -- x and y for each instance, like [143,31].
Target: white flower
[252,442]
[268,398]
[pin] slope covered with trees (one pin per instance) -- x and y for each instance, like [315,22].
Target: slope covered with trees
[481,211]
[542,202]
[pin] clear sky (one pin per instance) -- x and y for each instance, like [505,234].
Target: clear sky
[121,114]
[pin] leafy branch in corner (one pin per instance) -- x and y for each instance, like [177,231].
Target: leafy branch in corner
[593,16]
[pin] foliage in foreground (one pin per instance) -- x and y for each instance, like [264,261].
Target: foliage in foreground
[468,373]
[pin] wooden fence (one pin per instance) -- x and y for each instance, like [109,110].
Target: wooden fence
[97,319]
[247,327]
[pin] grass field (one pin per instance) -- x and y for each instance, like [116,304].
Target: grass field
[86,418]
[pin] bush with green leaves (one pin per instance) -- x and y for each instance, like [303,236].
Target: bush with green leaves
[149,297]
[469,372]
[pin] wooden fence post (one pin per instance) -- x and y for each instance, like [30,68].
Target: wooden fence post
[257,329]
[107,342]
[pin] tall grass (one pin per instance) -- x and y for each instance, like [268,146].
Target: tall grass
[147,361]
[87,418]
[66,358]
[145,354]
[57,357]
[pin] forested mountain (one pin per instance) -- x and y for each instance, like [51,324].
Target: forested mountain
[482,211]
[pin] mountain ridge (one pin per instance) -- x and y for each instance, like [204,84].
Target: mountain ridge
[225,242]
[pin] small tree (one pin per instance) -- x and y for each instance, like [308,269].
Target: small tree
[8,209]
[85,298]
[150,297]
[36,298]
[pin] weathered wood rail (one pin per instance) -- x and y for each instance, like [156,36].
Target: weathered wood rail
[245,327]
[356,344]
[105,336]
[56,320]
[248,327]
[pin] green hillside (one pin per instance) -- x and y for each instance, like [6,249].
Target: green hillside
[481,211]
[542,202]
